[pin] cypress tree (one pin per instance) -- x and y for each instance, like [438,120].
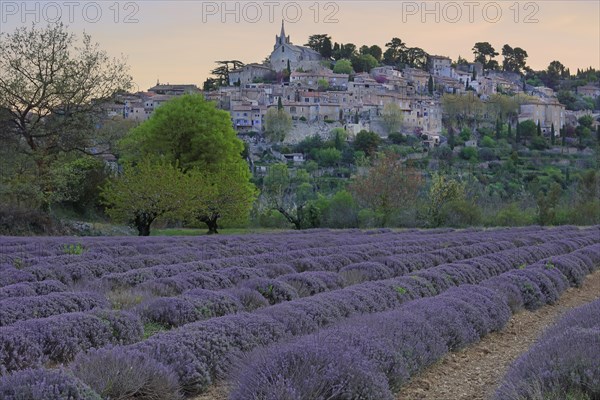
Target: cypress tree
[510,132]
[279,104]
[451,139]
[539,128]
[498,128]
[430,85]
[518,135]
[552,133]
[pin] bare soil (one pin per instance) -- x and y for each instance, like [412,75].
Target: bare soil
[475,372]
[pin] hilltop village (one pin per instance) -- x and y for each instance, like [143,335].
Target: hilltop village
[319,98]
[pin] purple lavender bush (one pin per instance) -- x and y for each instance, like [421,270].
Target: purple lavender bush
[46,384]
[121,373]
[311,369]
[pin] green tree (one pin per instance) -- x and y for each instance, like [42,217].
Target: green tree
[485,53]
[343,66]
[339,136]
[387,187]
[526,130]
[395,52]
[376,52]
[364,63]
[552,135]
[188,130]
[222,71]
[147,191]
[367,142]
[53,86]
[441,192]
[278,123]
[340,211]
[329,157]
[321,43]
[547,203]
[514,59]
[290,195]
[430,85]
[392,117]
[323,84]
[222,194]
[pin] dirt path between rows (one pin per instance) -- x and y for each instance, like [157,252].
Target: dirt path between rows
[475,372]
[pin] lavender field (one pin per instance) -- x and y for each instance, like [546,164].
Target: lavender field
[301,315]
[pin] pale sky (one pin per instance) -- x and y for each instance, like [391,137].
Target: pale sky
[178,41]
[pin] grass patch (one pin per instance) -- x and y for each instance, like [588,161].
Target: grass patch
[202,232]
[152,328]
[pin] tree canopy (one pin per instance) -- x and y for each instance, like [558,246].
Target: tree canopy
[485,53]
[387,186]
[147,191]
[278,123]
[188,130]
[53,86]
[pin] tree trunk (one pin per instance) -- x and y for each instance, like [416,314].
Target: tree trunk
[212,223]
[142,223]
[212,226]
[297,222]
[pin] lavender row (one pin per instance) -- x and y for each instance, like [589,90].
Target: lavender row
[54,384]
[300,261]
[122,270]
[58,339]
[563,364]
[23,308]
[370,357]
[201,351]
[27,289]
[382,351]
[31,251]
[252,285]
[73,268]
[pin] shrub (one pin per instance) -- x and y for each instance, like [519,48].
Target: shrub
[365,271]
[118,373]
[563,364]
[195,305]
[310,369]
[272,290]
[44,384]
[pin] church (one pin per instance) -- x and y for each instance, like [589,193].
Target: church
[284,52]
[298,56]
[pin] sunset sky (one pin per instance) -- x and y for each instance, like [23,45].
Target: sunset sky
[178,41]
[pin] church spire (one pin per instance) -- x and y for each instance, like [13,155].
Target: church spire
[282,37]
